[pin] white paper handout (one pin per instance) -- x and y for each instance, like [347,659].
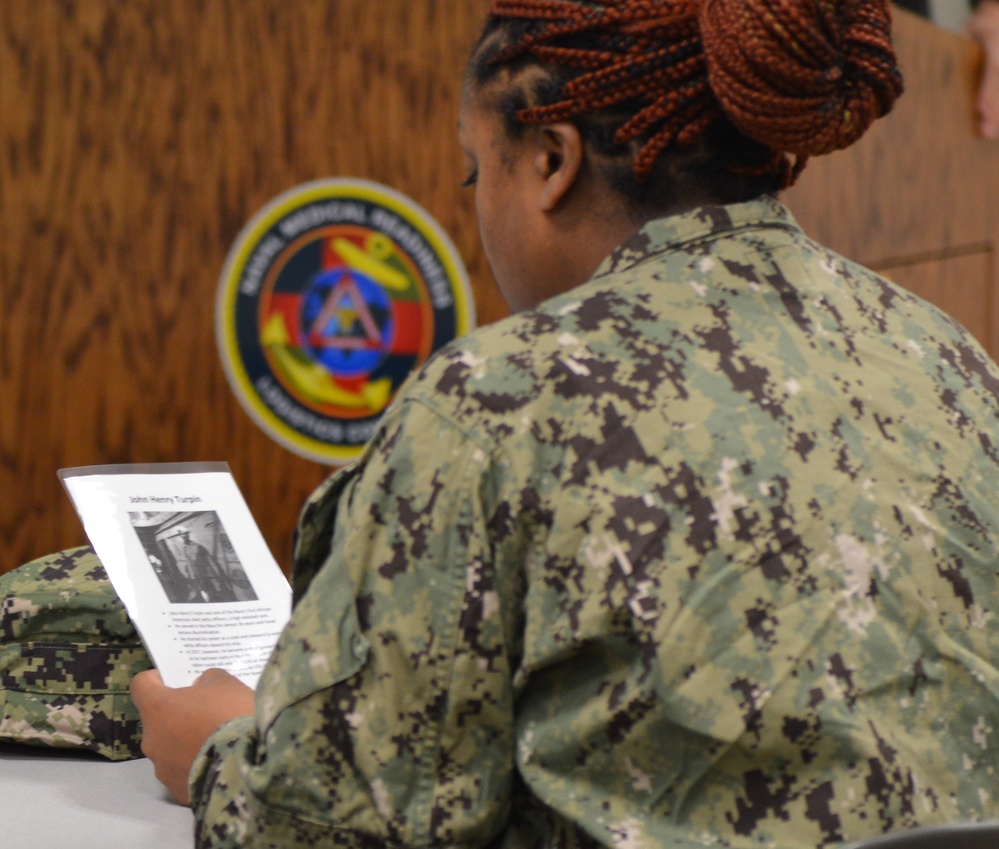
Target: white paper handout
[189,563]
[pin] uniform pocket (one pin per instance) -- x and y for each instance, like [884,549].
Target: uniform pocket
[321,646]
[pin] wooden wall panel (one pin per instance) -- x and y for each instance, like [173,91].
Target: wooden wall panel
[136,138]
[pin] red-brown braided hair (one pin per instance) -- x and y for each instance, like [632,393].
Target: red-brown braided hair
[802,77]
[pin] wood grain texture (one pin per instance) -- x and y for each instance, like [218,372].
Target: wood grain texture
[137,137]
[136,140]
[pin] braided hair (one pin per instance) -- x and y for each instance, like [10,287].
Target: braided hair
[665,91]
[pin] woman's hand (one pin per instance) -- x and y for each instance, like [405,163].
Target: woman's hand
[984,28]
[176,722]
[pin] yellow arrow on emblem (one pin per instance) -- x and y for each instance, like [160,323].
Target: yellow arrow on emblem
[314,382]
[370,265]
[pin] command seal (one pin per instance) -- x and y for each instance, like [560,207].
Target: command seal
[331,295]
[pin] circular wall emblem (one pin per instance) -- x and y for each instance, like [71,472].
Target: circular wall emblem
[332,294]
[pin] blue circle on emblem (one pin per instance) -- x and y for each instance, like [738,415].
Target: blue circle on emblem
[347,322]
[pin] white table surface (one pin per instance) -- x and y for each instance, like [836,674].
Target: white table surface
[51,798]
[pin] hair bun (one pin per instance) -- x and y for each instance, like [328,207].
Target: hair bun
[804,77]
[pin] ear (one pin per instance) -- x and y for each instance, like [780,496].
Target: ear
[558,162]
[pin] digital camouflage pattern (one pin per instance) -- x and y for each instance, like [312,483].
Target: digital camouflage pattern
[67,653]
[701,553]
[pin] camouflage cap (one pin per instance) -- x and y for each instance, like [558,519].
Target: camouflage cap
[67,653]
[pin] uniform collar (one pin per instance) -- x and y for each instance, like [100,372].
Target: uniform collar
[701,223]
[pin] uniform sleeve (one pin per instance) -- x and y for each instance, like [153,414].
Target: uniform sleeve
[385,714]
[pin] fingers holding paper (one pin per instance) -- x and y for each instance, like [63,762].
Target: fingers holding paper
[984,28]
[176,722]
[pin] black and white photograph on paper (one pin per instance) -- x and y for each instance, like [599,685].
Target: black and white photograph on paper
[189,563]
[192,556]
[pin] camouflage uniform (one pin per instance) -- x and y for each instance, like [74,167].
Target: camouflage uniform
[701,553]
[67,653]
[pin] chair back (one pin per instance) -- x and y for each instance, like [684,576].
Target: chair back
[982,835]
